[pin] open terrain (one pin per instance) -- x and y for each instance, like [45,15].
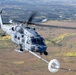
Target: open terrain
[61,45]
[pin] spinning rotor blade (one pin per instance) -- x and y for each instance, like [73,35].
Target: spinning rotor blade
[31,18]
[53,26]
[42,25]
[20,21]
[7,23]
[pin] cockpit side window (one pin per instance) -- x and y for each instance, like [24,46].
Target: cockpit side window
[28,41]
[37,41]
[15,36]
[34,41]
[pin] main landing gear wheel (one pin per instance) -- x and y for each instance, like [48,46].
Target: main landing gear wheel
[53,65]
[45,53]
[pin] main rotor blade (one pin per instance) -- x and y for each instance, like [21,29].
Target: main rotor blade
[20,21]
[31,17]
[29,20]
[7,23]
[53,26]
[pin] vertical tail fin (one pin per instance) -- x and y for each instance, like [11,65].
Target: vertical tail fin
[0,12]
[1,19]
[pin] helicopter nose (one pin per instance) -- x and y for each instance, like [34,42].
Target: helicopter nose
[41,48]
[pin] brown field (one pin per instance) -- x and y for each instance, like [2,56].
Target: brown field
[13,63]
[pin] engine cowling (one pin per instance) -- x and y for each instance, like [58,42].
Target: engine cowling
[19,29]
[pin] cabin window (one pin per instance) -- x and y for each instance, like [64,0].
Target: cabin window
[18,38]
[22,36]
[15,36]
[23,40]
[12,28]
[28,41]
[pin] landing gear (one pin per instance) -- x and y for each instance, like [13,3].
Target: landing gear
[40,53]
[21,48]
[4,34]
[45,53]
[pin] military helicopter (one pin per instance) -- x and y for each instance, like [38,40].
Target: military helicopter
[29,40]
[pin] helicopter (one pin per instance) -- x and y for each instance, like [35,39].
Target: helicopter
[29,40]
[26,37]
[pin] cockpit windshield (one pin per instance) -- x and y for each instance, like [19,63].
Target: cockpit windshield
[37,41]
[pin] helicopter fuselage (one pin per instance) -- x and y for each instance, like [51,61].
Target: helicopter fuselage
[28,38]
